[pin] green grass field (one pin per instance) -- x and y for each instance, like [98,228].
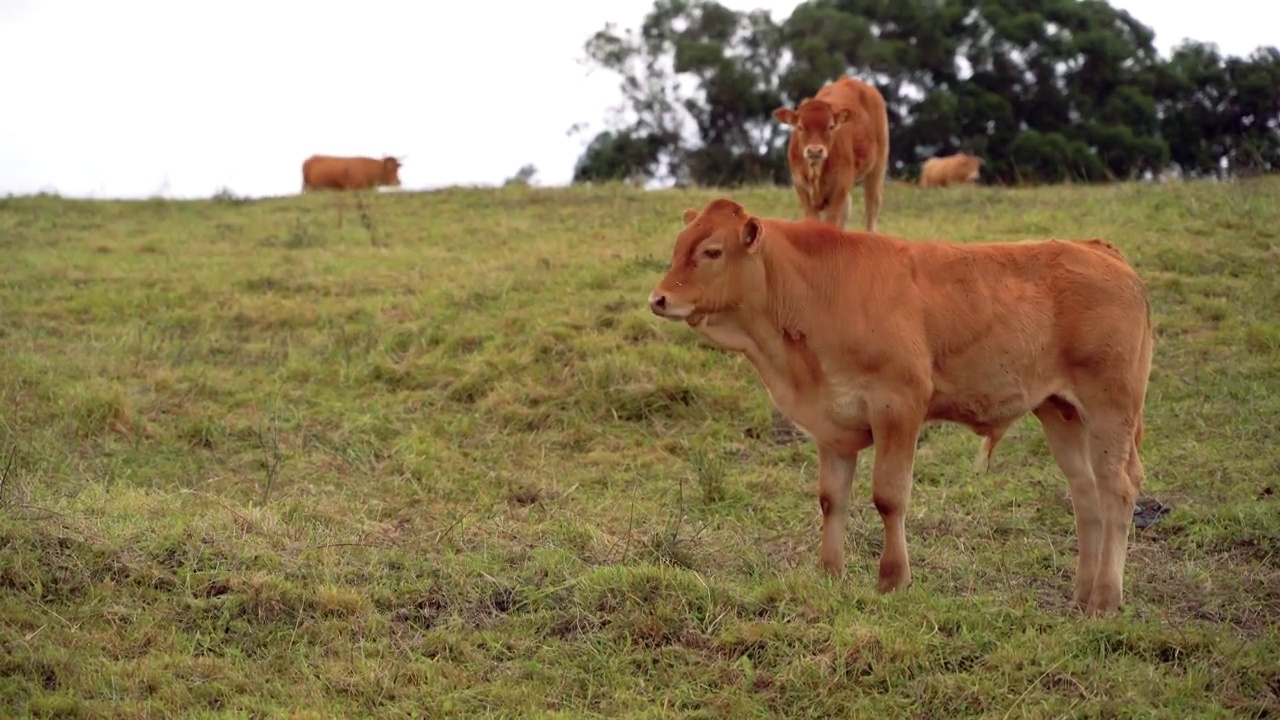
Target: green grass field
[254,465]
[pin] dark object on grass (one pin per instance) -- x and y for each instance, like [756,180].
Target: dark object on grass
[785,431]
[1147,511]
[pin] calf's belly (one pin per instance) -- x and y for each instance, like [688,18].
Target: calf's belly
[984,409]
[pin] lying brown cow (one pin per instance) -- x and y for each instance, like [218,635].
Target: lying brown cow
[950,170]
[327,172]
[861,337]
[838,138]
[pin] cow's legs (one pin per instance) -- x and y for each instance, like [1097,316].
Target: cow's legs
[837,213]
[836,470]
[873,193]
[806,205]
[1114,455]
[895,436]
[1067,439]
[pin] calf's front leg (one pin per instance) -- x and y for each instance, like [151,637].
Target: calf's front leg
[806,202]
[836,470]
[895,436]
[837,211]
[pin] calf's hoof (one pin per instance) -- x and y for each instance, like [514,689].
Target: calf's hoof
[1100,611]
[832,564]
[893,577]
[1104,601]
[1080,598]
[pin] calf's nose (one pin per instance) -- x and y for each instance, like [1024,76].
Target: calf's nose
[657,303]
[815,153]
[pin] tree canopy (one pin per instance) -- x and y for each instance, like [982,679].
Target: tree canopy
[1044,90]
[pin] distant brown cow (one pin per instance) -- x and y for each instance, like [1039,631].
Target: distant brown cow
[863,338]
[950,170]
[329,172]
[838,138]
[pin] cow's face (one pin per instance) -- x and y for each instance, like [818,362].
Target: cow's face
[813,125]
[709,263]
[391,171]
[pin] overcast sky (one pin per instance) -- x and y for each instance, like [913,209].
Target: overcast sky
[133,98]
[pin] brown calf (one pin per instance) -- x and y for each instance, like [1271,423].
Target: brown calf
[328,172]
[861,337]
[838,138]
[949,170]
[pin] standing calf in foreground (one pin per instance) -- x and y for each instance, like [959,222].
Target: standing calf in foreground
[863,338]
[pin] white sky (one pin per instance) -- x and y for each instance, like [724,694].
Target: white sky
[133,98]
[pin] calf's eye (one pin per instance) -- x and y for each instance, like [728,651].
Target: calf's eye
[712,253]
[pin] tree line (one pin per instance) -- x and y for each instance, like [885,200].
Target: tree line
[1044,90]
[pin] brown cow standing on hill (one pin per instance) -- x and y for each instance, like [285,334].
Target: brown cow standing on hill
[950,170]
[862,338]
[329,172]
[838,138]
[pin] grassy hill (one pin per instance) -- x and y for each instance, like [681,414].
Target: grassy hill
[253,465]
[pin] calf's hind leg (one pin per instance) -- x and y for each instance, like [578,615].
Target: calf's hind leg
[1113,454]
[1069,443]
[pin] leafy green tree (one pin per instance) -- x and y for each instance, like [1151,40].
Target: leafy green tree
[1254,118]
[1192,94]
[625,155]
[523,176]
[1044,90]
[693,63]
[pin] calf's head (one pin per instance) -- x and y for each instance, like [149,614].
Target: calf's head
[714,256]
[813,126]
[390,171]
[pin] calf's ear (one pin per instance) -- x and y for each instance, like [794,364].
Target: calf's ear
[689,215]
[785,115]
[843,116]
[751,233]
